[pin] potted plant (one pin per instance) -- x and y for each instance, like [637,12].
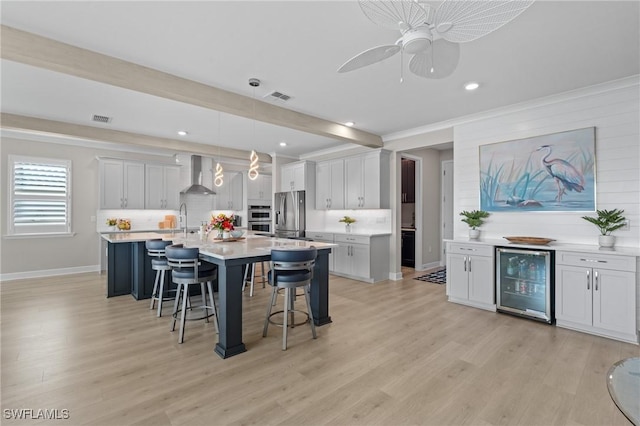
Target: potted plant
[607,221]
[347,222]
[474,218]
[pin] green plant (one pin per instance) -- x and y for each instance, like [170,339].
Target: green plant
[607,221]
[474,218]
[348,220]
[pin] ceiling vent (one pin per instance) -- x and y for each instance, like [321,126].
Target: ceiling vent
[101,118]
[278,96]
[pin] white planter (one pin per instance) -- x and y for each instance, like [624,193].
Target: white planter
[474,234]
[606,240]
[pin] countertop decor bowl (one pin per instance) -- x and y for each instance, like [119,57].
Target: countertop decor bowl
[538,241]
[236,233]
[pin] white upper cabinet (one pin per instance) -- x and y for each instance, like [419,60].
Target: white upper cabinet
[162,187]
[229,194]
[330,185]
[121,184]
[259,190]
[296,176]
[367,181]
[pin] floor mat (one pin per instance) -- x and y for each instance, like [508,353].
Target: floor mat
[438,277]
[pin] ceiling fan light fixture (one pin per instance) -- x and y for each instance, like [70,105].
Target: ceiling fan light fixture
[417,40]
[472,85]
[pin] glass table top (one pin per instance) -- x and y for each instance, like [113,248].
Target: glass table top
[623,381]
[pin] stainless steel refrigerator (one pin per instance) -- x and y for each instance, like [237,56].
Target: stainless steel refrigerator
[289,210]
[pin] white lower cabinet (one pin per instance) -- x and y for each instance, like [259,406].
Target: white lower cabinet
[324,237]
[364,258]
[597,294]
[470,275]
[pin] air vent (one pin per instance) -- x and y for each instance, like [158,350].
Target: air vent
[278,96]
[101,118]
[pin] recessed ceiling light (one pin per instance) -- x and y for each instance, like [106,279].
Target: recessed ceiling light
[472,85]
[283,143]
[183,132]
[349,123]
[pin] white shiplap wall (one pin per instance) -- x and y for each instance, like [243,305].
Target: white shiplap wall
[612,108]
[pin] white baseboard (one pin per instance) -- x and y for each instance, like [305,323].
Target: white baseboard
[395,276]
[430,265]
[49,273]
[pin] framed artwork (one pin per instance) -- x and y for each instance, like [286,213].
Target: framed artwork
[544,173]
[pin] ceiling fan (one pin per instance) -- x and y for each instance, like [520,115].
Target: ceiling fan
[432,35]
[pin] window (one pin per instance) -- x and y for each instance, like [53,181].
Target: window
[40,198]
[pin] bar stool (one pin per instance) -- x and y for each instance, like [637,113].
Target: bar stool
[252,268]
[290,269]
[155,250]
[187,270]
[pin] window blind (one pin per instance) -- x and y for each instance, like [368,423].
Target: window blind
[40,196]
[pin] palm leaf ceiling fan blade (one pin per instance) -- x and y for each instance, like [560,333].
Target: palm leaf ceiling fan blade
[394,15]
[370,56]
[464,21]
[439,62]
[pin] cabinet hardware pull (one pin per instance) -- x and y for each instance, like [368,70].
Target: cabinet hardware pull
[595,277]
[465,263]
[594,260]
[588,279]
[469,263]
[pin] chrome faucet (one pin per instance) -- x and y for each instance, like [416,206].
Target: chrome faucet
[185,217]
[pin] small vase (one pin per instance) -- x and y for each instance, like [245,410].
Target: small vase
[347,228]
[220,234]
[606,240]
[474,234]
[226,235]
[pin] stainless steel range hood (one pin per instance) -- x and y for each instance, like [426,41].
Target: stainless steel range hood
[196,179]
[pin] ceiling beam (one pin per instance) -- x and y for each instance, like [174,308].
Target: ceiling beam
[31,49]
[58,128]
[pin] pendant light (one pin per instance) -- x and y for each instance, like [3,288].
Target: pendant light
[219,176]
[253,158]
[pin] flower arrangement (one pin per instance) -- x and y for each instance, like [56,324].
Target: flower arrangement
[221,222]
[347,220]
[112,221]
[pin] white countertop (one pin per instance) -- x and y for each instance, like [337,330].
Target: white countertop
[249,246]
[555,245]
[362,234]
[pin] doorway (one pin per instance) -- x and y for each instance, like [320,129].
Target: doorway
[409,212]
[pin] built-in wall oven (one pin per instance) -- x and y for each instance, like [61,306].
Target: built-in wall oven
[259,218]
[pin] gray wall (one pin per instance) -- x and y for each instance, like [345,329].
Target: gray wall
[78,253]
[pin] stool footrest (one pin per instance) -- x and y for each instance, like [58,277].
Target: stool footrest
[297,324]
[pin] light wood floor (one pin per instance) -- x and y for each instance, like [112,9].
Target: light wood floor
[397,353]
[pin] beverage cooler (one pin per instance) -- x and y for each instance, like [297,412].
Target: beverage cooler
[524,283]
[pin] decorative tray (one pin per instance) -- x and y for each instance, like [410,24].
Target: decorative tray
[228,240]
[529,240]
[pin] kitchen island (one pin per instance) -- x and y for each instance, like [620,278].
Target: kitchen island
[230,257]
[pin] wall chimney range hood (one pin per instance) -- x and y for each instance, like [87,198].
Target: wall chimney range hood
[196,179]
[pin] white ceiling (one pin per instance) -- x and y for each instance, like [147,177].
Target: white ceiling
[295,47]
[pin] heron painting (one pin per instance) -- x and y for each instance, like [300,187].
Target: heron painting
[543,173]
